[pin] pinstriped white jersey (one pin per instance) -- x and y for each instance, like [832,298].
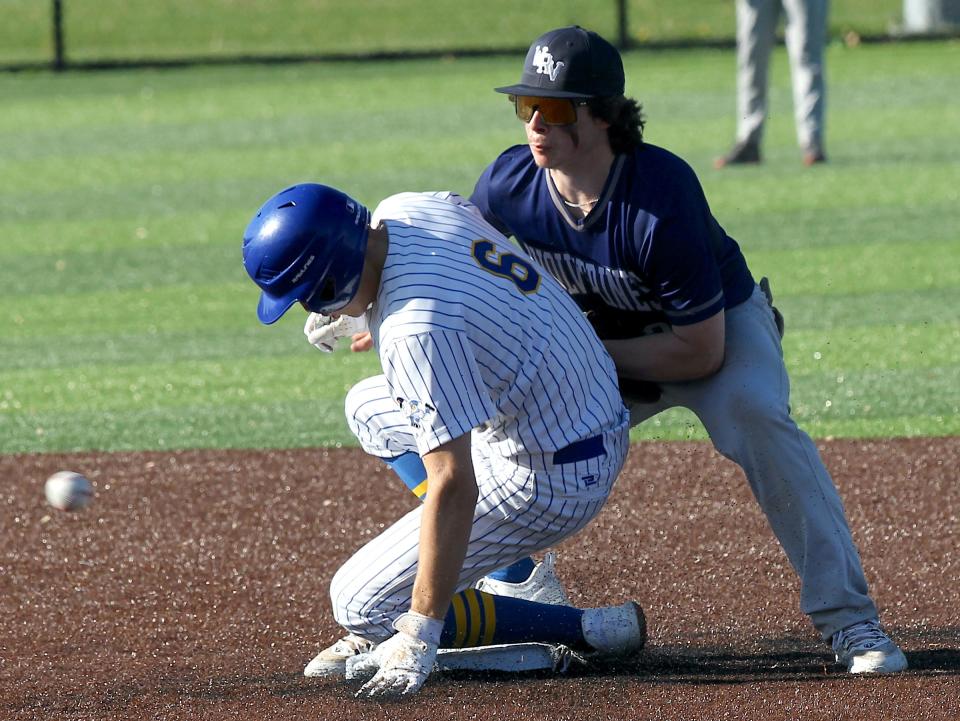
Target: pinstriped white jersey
[473,334]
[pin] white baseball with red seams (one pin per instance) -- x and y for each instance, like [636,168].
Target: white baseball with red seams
[68,491]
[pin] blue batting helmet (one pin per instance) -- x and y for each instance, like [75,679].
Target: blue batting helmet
[306,244]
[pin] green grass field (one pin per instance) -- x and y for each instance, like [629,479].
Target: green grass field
[127,322]
[131,29]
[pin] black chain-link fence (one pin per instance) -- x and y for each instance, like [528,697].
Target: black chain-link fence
[65,34]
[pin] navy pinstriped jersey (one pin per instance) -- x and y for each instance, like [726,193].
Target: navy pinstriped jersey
[472,334]
[650,247]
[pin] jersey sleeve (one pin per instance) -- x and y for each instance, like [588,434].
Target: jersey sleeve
[434,379]
[485,202]
[680,257]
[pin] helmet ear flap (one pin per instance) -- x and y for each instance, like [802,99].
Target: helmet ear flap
[325,293]
[306,244]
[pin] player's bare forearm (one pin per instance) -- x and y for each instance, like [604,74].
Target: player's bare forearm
[682,354]
[445,526]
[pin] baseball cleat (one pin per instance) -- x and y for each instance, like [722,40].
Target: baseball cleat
[332,661]
[542,586]
[813,155]
[865,648]
[743,153]
[614,631]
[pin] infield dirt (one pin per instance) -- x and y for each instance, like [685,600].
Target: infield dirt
[195,587]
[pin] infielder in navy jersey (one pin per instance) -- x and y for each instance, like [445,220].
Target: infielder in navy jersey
[494,386]
[626,229]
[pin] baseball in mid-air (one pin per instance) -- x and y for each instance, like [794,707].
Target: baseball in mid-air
[68,491]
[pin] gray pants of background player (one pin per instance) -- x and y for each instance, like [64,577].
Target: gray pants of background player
[744,408]
[805,33]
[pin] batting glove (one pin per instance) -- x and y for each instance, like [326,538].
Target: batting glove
[323,332]
[402,663]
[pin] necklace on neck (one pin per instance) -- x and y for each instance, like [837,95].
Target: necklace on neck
[569,203]
[584,204]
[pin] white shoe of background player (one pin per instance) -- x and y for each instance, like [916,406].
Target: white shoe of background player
[541,586]
[332,661]
[614,631]
[864,648]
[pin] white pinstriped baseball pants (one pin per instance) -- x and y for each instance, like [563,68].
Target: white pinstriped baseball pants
[519,511]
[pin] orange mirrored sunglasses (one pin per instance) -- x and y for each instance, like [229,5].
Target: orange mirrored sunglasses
[554,111]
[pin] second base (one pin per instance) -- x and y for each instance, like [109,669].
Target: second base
[508,658]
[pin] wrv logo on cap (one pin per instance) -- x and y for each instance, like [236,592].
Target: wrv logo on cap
[544,63]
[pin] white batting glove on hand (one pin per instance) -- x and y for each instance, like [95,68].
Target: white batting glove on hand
[323,332]
[402,663]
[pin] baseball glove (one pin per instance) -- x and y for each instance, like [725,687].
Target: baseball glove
[634,391]
[613,324]
[777,315]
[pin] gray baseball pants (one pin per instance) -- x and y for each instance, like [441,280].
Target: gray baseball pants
[805,34]
[745,410]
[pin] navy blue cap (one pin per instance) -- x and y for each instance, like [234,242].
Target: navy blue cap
[570,62]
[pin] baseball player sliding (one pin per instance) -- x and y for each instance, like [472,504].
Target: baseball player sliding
[493,384]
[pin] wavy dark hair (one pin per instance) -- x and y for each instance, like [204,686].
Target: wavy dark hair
[626,119]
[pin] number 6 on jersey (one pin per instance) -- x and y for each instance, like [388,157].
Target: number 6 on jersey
[506,265]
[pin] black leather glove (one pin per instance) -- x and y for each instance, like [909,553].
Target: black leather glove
[634,391]
[777,315]
[611,324]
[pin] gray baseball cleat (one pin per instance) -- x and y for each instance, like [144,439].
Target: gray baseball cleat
[614,631]
[864,648]
[332,661]
[541,586]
